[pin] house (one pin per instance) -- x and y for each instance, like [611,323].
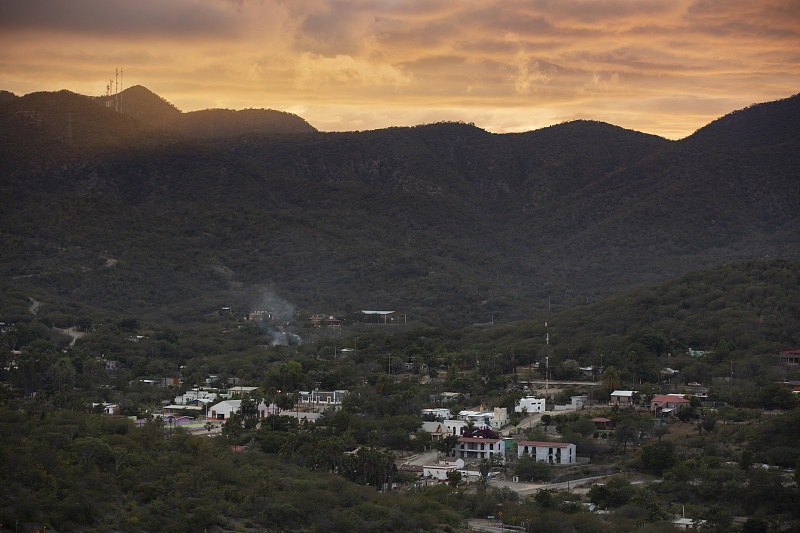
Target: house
[602,423]
[622,397]
[319,320]
[794,385]
[665,404]
[239,391]
[494,419]
[455,427]
[445,397]
[557,453]
[688,523]
[227,408]
[435,429]
[196,397]
[440,470]
[174,409]
[375,316]
[302,416]
[321,399]
[163,382]
[576,402]
[438,413]
[499,417]
[477,448]
[108,408]
[530,405]
[791,357]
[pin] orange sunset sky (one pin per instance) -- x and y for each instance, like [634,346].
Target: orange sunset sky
[666,67]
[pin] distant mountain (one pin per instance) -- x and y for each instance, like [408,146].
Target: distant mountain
[6,96]
[146,106]
[149,209]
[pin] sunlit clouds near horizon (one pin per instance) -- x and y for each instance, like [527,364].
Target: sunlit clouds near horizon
[665,67]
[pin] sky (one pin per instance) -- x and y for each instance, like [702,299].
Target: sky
[665,67]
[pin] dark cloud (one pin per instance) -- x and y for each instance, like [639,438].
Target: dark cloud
[119,17]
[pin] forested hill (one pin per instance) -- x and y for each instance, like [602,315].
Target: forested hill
[444,222]
[140,103]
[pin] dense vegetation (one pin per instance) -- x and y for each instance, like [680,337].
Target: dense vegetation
[446,223]
[135,245]
[72,469]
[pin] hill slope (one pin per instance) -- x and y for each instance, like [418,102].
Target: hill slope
[142,104]
[444,222]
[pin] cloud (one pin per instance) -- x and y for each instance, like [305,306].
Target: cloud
[120,17]
[360,64]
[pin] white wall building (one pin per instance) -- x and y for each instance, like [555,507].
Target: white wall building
[227,408]
[322,399]
[530,405]
[455,427]
[475,448]
[558,453]
[195,396]
[440,470]
[439,413]
[499,417]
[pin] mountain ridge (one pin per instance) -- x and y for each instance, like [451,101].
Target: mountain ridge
[444,220]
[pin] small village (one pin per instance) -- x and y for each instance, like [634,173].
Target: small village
[490,439]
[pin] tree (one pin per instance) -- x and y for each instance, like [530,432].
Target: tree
[90,449]
[483,468]
[658,457]
[611,380]
[285,402]
[529,469]
[446,444]
[453,478]
[627,430]
[776,396]
[615,493]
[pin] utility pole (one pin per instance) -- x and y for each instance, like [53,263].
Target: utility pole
[547,351]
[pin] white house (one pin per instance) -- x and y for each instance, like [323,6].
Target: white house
[499,417]
[440,470]
[494,419]
[530,405]
[227,408]
[455,427]
[195,396]
[622,397]
[108,408]
[559,453]
[322,399]
[476,448]
[439,413]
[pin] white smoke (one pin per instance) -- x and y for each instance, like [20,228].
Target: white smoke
[274,315]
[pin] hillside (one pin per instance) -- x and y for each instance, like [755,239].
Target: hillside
[444,222]
[142,104]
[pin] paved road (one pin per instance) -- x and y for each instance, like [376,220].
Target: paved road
[492,526]
[530,488]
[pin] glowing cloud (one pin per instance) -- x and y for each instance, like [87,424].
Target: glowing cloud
[661,66]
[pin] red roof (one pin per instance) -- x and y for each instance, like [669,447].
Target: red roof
[537,443]
[664,398]
[601,419]
[476,439]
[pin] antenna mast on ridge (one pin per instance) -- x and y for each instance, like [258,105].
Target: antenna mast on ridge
[112,98]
